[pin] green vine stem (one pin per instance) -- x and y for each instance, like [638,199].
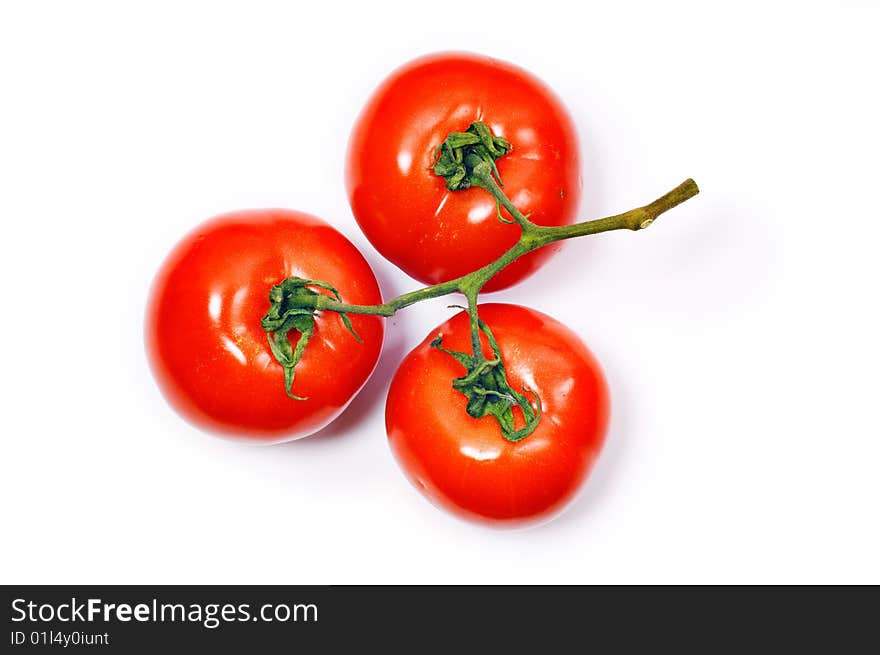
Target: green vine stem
[465,159]
[532,237]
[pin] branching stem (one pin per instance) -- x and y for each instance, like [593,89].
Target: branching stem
[532,237]
[465,159]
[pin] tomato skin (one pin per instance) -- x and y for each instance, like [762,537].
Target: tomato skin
[404,209]
[465,465]
[204,342]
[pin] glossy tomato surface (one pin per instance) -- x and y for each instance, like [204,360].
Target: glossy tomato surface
[207,350]
[405,210]
[465,465]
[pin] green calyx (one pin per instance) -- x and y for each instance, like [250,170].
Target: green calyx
[293,308]
[488,392]
[464,159]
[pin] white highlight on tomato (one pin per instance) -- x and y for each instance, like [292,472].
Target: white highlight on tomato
[238,298]
[404,161]
[522,198]
[526,137]
[214,305]
[442,203]
[234,350]
[486,455]
[479,213]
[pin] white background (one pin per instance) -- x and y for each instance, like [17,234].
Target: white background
[739,333]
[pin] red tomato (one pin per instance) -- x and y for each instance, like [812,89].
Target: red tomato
[208,351]
[406,212]
[465,464]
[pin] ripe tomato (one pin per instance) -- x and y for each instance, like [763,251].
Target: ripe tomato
[406,211]
[208,350]
[465,464]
